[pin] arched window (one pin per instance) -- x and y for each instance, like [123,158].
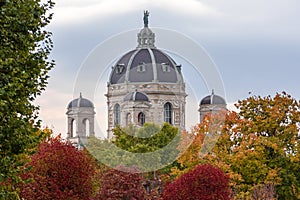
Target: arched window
[86,123]
[141,118]
[128,119]
[117,114]
[73,128]
[168,113]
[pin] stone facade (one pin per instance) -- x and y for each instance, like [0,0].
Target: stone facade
[154,110]
[151,72]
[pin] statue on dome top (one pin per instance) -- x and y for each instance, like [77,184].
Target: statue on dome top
[146,15]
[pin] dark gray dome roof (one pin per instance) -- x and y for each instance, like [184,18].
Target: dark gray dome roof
[212,99]
[80,102]
[145,65]
[136,96]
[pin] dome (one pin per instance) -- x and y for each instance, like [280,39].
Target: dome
[136,96]
[212,99]
[146,63]
[80,102]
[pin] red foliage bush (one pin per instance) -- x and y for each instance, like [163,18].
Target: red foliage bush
[204,182]
[122,183]
[59,171]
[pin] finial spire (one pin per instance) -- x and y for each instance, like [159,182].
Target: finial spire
[212,96]
[80,95]
[146,37]
[146,15]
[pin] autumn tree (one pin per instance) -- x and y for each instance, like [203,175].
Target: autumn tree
[258,147]
[199,142]
[59,171]
[261,145]
[204,182]
[122,183]
[24,49]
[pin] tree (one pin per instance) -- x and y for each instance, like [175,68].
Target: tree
[204,182]
[148,138]
[24,49]
[122,183]
[258,147]
[151,148]
[261,145]
[148,153]
[157,147]
[200,142]
[59,171]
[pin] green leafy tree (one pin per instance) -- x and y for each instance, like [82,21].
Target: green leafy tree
[24,50]
[148,138]
[130,146]
[161,141]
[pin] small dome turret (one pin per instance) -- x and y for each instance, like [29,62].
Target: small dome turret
[211,104]
[212,99]
[80,115]
[80,102]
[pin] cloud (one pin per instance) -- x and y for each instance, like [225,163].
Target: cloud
[189,8]
[75,11]
[78,12]
[271,19]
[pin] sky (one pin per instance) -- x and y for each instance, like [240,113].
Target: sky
[254,45]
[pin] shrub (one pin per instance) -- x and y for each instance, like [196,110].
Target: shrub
[204,182]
